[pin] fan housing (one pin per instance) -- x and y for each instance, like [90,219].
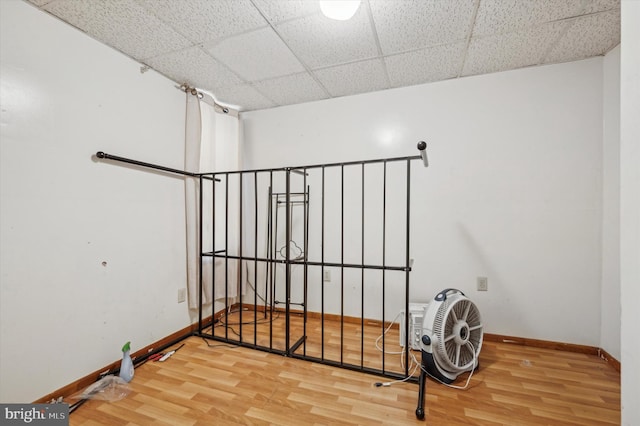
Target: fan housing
[452,334]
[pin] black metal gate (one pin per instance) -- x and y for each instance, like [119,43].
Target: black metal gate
[275,239]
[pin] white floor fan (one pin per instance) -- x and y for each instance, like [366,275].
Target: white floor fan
[451,340]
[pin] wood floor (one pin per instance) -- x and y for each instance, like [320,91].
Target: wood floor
[206,383]
[352,342]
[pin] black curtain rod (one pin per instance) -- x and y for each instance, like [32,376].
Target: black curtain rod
[422,147]
[104,155]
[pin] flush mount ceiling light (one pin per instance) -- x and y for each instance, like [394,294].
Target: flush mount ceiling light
[340,10]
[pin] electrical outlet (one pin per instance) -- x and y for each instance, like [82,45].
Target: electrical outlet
[327,276]
[483,284]
[182,295]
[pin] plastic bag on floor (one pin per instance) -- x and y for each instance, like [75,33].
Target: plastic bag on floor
[109,388]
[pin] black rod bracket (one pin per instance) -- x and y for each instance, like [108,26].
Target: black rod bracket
[422,147]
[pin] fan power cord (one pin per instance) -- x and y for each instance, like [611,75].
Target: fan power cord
[466,385]
[393,321]
[414,365]
[387,384]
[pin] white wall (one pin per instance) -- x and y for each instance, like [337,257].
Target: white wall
[62,313]
[610,291]
[513,193]
[630,209]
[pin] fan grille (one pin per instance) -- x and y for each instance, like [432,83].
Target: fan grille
[458,327]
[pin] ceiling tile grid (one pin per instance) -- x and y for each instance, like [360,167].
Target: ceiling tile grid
[203,21]
[278,11]
[425,65]
[408,25]
[354,78]
[257,54]
[587,36]
[511,50]
[292,89]
[592,6]
[505,16]
[122,24]
[195,67]
[243,94]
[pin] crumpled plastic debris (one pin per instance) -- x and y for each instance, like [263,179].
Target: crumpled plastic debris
[109,388]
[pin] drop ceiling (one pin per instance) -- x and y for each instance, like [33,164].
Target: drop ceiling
[255,54]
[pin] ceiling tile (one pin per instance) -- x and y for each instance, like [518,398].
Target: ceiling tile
[319,41]
[510,51]
[409,25]
[357,77]
[425,65]
[205,20]
[122,24]
[277,10]
[502,16]
[257,55]
[593,6]
[243,96]
[39,3]
[588,36]
[194,66]
[292,89]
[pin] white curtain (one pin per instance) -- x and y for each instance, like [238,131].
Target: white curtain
[211,144]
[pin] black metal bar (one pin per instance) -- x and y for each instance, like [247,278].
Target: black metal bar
[298,342]
[239,268]
[299,172]
[306,265]
[293,193]
[362,275]
[213,238]
[322,271]
[384,254]
[238,343]
[277,302]
[312,263]
[408,263]
[255,253]
[353,367]
[267,274]
[341,261]
[287,265]
[318,166]
[422,381]
[105,156]
[274,270]
[199,248]
[226,259]
[271,264]
[291,203]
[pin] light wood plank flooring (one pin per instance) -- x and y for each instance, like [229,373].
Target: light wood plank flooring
[206,383]
[355,343]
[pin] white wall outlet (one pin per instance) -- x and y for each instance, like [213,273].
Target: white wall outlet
[327,276]
[182,295]
[483,284]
